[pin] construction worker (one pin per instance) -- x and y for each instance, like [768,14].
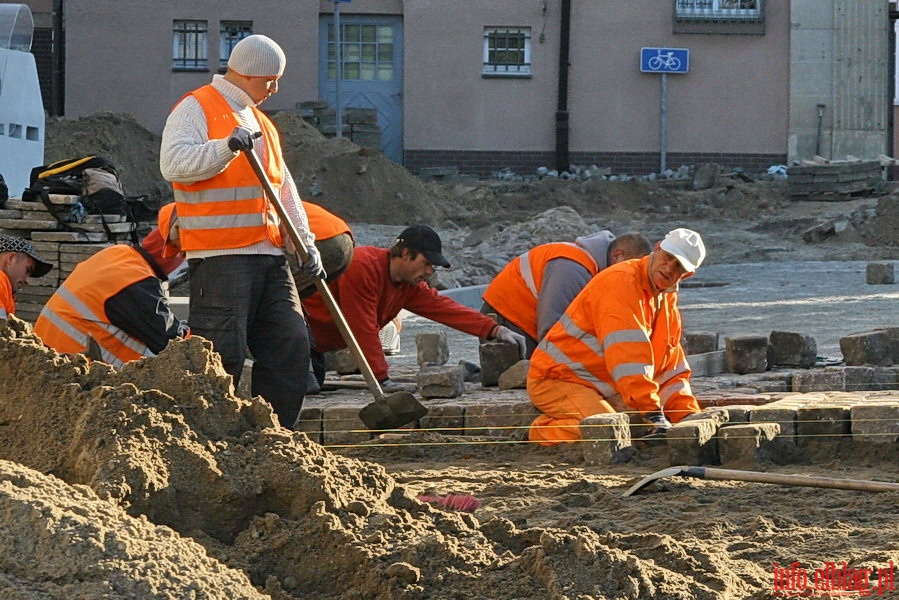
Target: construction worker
[334,241]
[618,347]
[113,307]
[378,284]
[531,292]
[242,294]
[18,262]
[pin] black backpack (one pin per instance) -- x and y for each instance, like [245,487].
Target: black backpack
[96,182]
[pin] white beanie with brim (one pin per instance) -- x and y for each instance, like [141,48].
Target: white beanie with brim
[257,56]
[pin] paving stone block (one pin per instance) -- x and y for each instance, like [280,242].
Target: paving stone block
[607,438]
[441,382]
[738,414]
[700,342]
[342,425]
[867,348]
[875,423]
[880,273]
[893,333]
[868,378]
[344,363]
[498,420]
[693,443]
[432,348]
[816,380]
[747,444]
[310,422]
[747,353]
[515,377]
[822,423]
[792,349]
[446,419]
[783,415]
[495,358]
[708,364]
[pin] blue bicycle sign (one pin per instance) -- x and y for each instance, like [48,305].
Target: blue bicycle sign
[664,60]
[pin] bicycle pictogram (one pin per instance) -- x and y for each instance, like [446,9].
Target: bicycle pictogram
[664,61]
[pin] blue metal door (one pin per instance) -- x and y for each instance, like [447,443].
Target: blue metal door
[371,67]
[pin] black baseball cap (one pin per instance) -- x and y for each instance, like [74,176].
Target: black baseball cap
[422,238]
[9,243]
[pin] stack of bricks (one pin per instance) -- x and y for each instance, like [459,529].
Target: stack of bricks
[62,246]
[360,125]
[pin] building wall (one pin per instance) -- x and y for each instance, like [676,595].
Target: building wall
[745,99]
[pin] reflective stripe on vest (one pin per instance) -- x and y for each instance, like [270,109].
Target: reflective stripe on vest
[82,311]
[230,210]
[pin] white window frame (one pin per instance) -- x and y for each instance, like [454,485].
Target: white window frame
[190,42]
[718,10]
[231,32]
[506,69]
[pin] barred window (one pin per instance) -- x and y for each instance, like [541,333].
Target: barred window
[507,51]
[718,10]
[231,32]
[189,45]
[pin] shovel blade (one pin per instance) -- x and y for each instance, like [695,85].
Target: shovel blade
[392,411]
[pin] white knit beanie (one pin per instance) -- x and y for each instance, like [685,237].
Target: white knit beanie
[257,56]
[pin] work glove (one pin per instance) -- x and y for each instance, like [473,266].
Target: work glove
[659,428]
[313,265]
[504,334]
[242,139]
[389,387]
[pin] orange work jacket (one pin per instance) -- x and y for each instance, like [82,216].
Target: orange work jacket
[229,210]
[620,338]
[76,310]
[515,290]
[324,224]
[7,302]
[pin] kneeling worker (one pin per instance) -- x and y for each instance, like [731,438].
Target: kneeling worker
[618,347]
[533,290]
[115,300]
[18,262]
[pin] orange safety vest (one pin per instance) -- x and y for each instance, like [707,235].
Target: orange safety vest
[230,209]
[324,224]
[77,309]
[618,337]
[515,289]
[7,301]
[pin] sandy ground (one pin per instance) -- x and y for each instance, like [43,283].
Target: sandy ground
[158,482]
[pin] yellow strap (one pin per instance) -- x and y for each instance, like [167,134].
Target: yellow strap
[55,171]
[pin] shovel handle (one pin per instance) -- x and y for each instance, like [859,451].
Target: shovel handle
[787,479]
[320,284]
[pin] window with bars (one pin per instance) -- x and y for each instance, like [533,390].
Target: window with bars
[231,32]
[189,45]
[507,52]
[719,10]
[366,52]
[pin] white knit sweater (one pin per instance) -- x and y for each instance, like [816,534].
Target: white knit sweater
[187,155]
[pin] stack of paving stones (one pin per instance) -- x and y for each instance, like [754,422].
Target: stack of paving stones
[768,397]
[62,248]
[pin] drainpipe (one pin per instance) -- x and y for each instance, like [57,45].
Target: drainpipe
[57,76]
[562,161]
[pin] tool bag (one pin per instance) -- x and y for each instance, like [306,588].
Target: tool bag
[96,182]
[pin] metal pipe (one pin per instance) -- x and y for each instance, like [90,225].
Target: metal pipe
[562,161]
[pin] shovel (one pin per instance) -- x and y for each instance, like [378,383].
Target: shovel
[386,412]
[758,477]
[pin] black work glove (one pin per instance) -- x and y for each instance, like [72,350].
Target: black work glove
[242,139]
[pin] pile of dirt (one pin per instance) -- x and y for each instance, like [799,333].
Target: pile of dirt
[356,183]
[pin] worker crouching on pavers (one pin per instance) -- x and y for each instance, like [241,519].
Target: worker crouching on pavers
[113,306]
[618,348]
[18,262]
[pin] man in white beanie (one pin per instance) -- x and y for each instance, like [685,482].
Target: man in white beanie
[618,348]
[242,294]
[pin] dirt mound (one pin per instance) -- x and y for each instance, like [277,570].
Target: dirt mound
[358,184]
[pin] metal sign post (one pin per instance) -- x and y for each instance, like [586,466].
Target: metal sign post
[664,61]
[338,72]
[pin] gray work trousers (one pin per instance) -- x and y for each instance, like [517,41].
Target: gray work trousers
[242,302]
